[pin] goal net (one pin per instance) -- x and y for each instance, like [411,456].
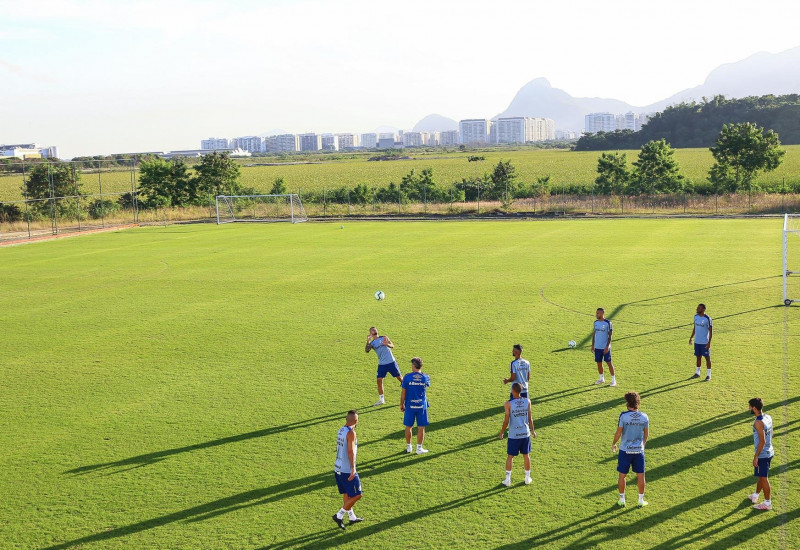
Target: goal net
[791,257]
[260,208]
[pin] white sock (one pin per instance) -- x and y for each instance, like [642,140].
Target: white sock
[340,514]
[622,496]
[708,373]
[613,378]
[768,501]
[697,372]
[380,397]
[508,474]
[351,514]
[527,473]
[603,377]
[408,446]
[641,497]
[419,446]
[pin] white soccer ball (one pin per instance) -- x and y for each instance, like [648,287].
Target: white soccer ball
[572,343]
[380,295]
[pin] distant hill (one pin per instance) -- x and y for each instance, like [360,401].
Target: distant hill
[435,123]
[759,74]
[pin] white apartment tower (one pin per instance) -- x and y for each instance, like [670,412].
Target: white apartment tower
[449,137]
[213,143]
[369,141]
[475,130]
[310,142]
[600,122]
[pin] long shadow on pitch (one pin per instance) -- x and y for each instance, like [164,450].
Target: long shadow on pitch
[333,537]
[699,458]
[615,535]
[274,493]
[157,456]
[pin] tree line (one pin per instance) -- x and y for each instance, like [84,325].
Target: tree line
[696,124]
[741,152]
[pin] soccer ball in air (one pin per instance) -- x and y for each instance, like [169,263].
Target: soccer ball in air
[380,295]
[572,343]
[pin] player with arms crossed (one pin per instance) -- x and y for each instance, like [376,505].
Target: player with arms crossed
[386,361]
[634,429]
[345,470]
[520,372]
[762,441]
[414,403]
[702,333]
[519,422]
[601,345]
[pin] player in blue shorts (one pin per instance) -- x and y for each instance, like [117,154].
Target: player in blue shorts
[601,346]
[634,429]
[386,361]
[519,422]
[702,333]
[414,403]
[762,441]
[344,469]
[520,371]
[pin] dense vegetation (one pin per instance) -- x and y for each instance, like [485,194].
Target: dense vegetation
[698,124]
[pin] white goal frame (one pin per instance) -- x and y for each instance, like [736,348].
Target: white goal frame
[227,213]
[789,229]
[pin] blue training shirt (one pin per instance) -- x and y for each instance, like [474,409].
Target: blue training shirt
[633,424]
[416,384]
[522,369]
[702,326]
[767,451]
[342,464]
[602,332]
[518,427]
[384,352]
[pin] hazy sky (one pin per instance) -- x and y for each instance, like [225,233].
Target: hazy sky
[96,77]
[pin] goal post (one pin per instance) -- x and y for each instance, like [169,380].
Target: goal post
[791,253]
[260,208]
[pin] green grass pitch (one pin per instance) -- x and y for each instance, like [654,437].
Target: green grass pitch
[182,387]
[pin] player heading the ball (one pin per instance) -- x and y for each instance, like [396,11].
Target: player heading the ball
[702,333]
[634,429]
[519,422]
[386,362]
[414,403]
[601,346]
[344,469]
[520,372]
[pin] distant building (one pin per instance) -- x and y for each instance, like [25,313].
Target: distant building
[212,144]
[310,142]
[544,129]
[449,137]
[475,130]
[431,138]
[28,151]
[412,139]
[347,141]
[287,143]
[251,144]
[369,141]
[330,142]
[600,122]
[523,130]
[386,141]
[567,134]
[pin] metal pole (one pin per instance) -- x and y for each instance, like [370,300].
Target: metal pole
[216,204]
[77,196]
[134,194]
[785,258]
[399,200]
[783,195]
[291,205]
[53,210]
[479,198]
[25,194]
[348,202]
[324,204]
[425,198]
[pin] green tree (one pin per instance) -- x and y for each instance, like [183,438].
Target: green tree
[279,187]
[166,182]
[502,182]
[53,180]
[613,174]
[217,174]
[656,170]
[741,152]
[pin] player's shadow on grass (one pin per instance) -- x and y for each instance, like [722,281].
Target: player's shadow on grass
[701,457]
[333,537]
[147,459]
[266,495]
[594,534]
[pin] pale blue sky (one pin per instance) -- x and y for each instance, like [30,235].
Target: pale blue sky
[99,77]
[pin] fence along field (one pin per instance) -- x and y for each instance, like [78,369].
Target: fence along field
[567,170]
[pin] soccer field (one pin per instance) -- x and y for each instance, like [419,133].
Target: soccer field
[181,387]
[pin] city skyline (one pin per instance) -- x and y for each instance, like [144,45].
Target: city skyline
[98,77]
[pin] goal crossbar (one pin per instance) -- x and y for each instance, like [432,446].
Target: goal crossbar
[260,208]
